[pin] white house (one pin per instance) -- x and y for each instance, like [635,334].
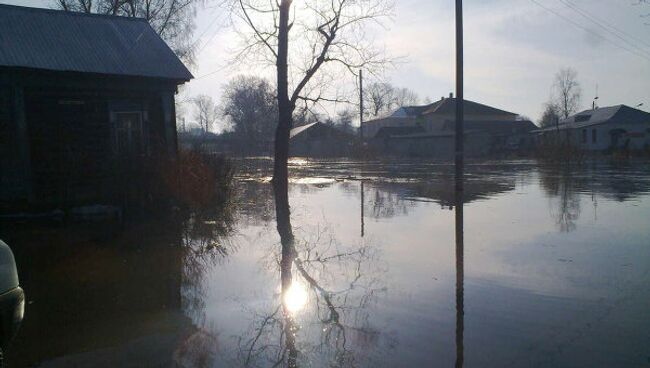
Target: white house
[612,127]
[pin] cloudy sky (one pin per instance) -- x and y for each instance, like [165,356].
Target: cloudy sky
[512,50]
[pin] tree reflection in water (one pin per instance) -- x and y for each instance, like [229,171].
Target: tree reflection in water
[564,184]
[322,313]
[561,185]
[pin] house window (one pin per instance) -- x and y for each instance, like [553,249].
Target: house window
[128,133]
[584,135]
[594,136]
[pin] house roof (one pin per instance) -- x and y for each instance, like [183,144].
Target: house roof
[611,114]
[448,106]
[319,128]
[89,43]
[445,106]
[411,111]
[295,131]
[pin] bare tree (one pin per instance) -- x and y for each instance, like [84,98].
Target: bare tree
[344,119]
[550,116]
[381,98]
[330,40]
[378,98]
[405,97]
[205,112]
[567,92]
[173,20]
[250,105]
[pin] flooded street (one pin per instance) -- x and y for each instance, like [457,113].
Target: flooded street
[553,272]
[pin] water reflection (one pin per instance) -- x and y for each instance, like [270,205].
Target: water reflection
[460,279]
[98,291]
[323,315]
[218,289]
[568,185]
[295,298]
[563,191]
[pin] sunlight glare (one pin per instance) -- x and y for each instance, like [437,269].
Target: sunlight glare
[295,298]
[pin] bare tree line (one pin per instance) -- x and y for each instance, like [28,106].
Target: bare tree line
[248,108]
[382,97]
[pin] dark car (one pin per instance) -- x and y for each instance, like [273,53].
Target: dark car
[12,299]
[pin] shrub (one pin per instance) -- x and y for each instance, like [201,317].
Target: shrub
[195,181]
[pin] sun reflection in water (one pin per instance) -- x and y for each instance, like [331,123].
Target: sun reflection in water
[295,298]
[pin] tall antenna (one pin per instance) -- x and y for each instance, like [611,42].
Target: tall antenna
[593,103]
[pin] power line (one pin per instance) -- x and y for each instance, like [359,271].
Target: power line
[212,72]
[645,43]
[588,30]
[212,22]
[604,25]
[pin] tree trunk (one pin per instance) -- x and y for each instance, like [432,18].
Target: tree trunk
[281,157]
[281,174]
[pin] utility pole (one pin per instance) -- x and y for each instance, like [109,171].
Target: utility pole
[459,162]
[361,103]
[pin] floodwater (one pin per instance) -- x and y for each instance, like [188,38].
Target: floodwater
[553,270]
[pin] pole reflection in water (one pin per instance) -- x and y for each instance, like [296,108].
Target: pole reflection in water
[362,204]
[460,306]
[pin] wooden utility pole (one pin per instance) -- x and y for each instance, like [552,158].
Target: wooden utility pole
[459,162]
[361,103]
[459,96]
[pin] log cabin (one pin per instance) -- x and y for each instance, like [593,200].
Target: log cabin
[80,94]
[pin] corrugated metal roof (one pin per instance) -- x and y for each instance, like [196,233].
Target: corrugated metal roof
[69,41]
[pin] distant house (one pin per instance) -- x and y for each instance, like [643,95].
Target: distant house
[78,93]
[320,140]
[429,130]
[433,116]
[612,127]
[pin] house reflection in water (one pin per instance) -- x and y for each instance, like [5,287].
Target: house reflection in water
[566,186]
[98,298]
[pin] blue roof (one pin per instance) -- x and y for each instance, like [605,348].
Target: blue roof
[57,40]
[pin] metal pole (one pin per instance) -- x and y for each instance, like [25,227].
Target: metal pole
[459,96]
[361,103]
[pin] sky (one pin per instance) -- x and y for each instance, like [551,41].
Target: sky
[512,50]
